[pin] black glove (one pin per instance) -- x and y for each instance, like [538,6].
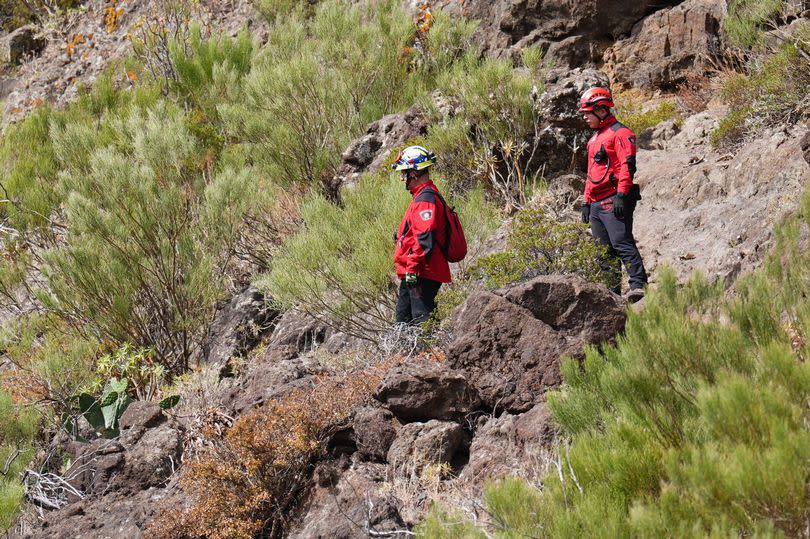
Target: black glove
[618,206]
[585,210]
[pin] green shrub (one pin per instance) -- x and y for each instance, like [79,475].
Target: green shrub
[493,139]
[639,120]
[18,430]
[540,245]
[747,20]
[320,81]
[694,424]
[148,233]
[339,268]
[774,92]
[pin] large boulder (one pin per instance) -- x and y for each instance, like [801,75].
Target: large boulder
[667,45]
[572,306]
[511,357]
[20,43]
[509,344]
[426,390]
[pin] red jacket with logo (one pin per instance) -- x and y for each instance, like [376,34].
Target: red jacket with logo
[421,231]
[611,160]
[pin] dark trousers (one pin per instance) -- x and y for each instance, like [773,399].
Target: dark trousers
[415,303]
[617,235]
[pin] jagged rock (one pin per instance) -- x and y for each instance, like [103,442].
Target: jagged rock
[564,132]
[419,445]
[426,390]
[20,43]
[237,327]
[667,45]
[580,30]
[369,152]
[267,378]
[560,100]
[510,357]
[299,331]
[111,516]
[144,414]
[510,347]
[571,305]
[804,144]
[374,432]
[509,444]
[350,506]
[126,466]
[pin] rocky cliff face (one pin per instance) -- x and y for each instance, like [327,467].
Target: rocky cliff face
[481,411]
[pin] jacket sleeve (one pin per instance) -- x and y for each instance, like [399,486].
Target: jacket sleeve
[423,227]
[625,148]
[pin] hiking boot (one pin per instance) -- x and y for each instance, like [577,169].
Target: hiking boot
[634,295]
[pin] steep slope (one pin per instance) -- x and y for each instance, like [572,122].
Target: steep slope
[440,425]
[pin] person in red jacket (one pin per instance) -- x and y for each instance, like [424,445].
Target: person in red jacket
[610,194]
[420,264]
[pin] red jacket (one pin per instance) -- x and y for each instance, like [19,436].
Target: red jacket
[611,160]
[422,230]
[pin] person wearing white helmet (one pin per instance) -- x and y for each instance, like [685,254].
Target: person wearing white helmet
[420,263]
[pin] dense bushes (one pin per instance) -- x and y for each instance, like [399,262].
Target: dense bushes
[244,483]
[694,424]
[492,138]
[319,81]
[772,87]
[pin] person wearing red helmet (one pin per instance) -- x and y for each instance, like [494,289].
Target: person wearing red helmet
[420,263]
[610,194]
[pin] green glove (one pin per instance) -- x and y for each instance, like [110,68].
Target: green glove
[410,279]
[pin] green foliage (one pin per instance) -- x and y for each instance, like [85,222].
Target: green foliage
[747,20]
[638,120]
[16,13]
[340,266]
[139,366]
[149,228]
[104,411]
[773,92]
[18,430]
[320,81]
[540,245]
[492,141]
[695,423]
[211,71]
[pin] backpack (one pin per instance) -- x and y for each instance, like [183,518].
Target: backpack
[455,244]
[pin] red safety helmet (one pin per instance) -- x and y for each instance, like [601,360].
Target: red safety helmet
[595,97]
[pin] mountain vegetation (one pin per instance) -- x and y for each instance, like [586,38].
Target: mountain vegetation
[205,162]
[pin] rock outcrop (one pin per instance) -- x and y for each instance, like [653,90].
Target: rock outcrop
[237,327]
[668,45]
[19,44]
[573,33]
[714,212]
[506,345]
